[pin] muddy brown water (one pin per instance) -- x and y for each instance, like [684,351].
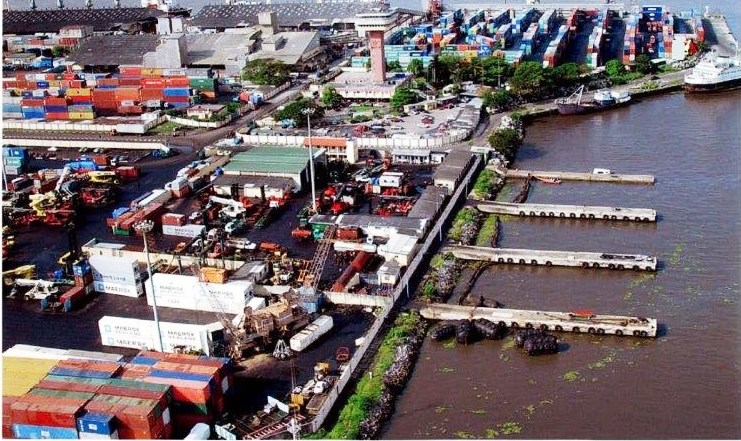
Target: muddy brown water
[684,384]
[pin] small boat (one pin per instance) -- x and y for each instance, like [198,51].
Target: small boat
[548,180]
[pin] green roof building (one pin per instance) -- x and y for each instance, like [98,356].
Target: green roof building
[286,162]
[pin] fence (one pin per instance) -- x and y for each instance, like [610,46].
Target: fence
[194,123]
[402,287]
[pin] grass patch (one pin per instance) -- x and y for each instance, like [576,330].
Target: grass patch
[487,231]
[165,128]
[676,254]
[484,185]
[463,434]
[572,376]
[369,388]
[510,428]
[466,216]
[449,344]
[509,344]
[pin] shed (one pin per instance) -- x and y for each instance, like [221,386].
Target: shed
[389,273]
[286,162]
[204,111]
[400,247]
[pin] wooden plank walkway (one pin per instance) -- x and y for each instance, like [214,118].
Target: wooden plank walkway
[576,176]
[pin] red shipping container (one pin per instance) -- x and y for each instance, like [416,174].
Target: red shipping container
[68,386]
[105,105]
[47,411]
[130,81]
[108,94]
[56,115]
[109,367]
[155,355]
[177,82]
[128,172]
[128,93]
[152,94]
[83,281]
[81,99]
[77,84]
[128,110]
[107,82]
[186,391]
[176,99]
[32,102]
[100,159]
[53,101]
[132,420]
[155,83]
[130,71]
[177,220]
[10,84]
[135,371]
[74,293]
[20,76]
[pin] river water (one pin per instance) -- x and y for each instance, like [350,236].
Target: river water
[684,384]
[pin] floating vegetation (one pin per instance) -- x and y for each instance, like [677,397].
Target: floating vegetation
[463,434]
[446,370]
[676,255]
[479,411]
[510,428]
[441,408]
[572,376]
[642,279]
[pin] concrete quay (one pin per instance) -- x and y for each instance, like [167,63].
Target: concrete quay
[582,322]
[576,176]
[613,261]
[570,211]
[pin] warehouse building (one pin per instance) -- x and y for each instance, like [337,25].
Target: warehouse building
[255,186]
[452,170]
[285,162]
[129,20]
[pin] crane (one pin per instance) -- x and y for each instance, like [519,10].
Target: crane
[40,289]
[231,208]
[25,271]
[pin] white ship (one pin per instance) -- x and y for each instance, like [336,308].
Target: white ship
[714,72]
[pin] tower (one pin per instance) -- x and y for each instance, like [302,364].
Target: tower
[377,56]
[374,26]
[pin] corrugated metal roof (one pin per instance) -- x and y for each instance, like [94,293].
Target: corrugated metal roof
[52,20]
[271,160]
[114,50]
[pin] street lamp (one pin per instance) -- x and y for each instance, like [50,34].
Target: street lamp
[145,227]
[308,112]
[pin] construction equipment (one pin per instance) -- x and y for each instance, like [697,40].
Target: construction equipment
[25,272]
[40,289]
[231,208]
[282,351]
[103,177]
[311,281]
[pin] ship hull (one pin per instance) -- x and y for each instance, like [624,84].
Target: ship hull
[583,108]
[712,87]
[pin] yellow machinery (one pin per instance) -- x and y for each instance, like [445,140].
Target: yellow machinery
[22,272]
[104,177]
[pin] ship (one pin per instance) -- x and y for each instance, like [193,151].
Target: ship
[714,73]
[602,100]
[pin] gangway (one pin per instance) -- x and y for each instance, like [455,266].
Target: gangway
[275,428]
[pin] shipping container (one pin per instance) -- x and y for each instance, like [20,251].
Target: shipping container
[184,292]
[97,422]
[189,231]
[138,334]
[29,431]
[311,333]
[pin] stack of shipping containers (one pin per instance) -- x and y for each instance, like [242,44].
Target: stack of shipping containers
[15,160]
[629,45]
[529,38]
[157,396]
[117,275]
[556,47]
[547,21]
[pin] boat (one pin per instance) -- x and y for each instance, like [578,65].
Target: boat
[714,73]
[548,180]
[602,100]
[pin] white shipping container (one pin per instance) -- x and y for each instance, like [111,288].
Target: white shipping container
[184,292]
[135,290]
[311,333]
[390,179]
[87,435]
[157,196]
[138,334]
[115,270]
[184,231]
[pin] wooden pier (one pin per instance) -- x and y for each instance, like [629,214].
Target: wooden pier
[613,261]
[570,211]
[582,322]
[575,176]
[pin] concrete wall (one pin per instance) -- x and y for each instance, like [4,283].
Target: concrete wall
[81,126]
[194,123]
[76,144]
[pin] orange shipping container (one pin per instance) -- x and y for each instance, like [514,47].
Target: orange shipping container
[186,391]
[177,82]
[131,71]
[128,93]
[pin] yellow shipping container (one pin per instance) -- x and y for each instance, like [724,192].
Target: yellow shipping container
[21,374]
[81,115]
[147,71]
[80,92]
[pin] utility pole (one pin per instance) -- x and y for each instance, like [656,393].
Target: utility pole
[145,227]
[308,112]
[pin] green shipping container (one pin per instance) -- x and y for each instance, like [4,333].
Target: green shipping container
[118,382]
[13,161]
[202,83]
[78,380]
[121,232]
[61,394]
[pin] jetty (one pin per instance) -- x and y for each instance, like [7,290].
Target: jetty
[570,211]
[578,322]
[576,176]
[613,261]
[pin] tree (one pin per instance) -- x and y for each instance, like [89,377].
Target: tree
[416,67]
[394,66]
[495,71]
[267,72]
[505,141]
[295,109]
[614,68]
[499,100]
[331,98]
[643,64]
[442,68]
[530,79]
[403,96]
[59,51]
[566,74]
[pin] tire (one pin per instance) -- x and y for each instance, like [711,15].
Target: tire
[644,334]
[500,260]
[522,213]
[517,325]
[591,330]
[636,267]
[606,217]
[638,218]
[532,213]
[542,213]
[591,216]
[551,214]
[522,261]
[543,327]
[600,331]
[648,268]
[595,265]
[572,215]
[645,219]
[561,214]
[558,328]
[619,333]
[636,333]
[510,260]
[534,262]
[528,325]
[611,265]
[548,263]
[620,266]
[502,324]
[582,216]
[576,329]
[585,264]
[626,218]
[613,217]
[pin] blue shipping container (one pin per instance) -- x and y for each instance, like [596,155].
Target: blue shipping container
[144,360]
[81,269]
[42,84]
[12,108]
[28,431]
[180,375]
[27,94]
[176,92]
[97,422]
[55,109]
